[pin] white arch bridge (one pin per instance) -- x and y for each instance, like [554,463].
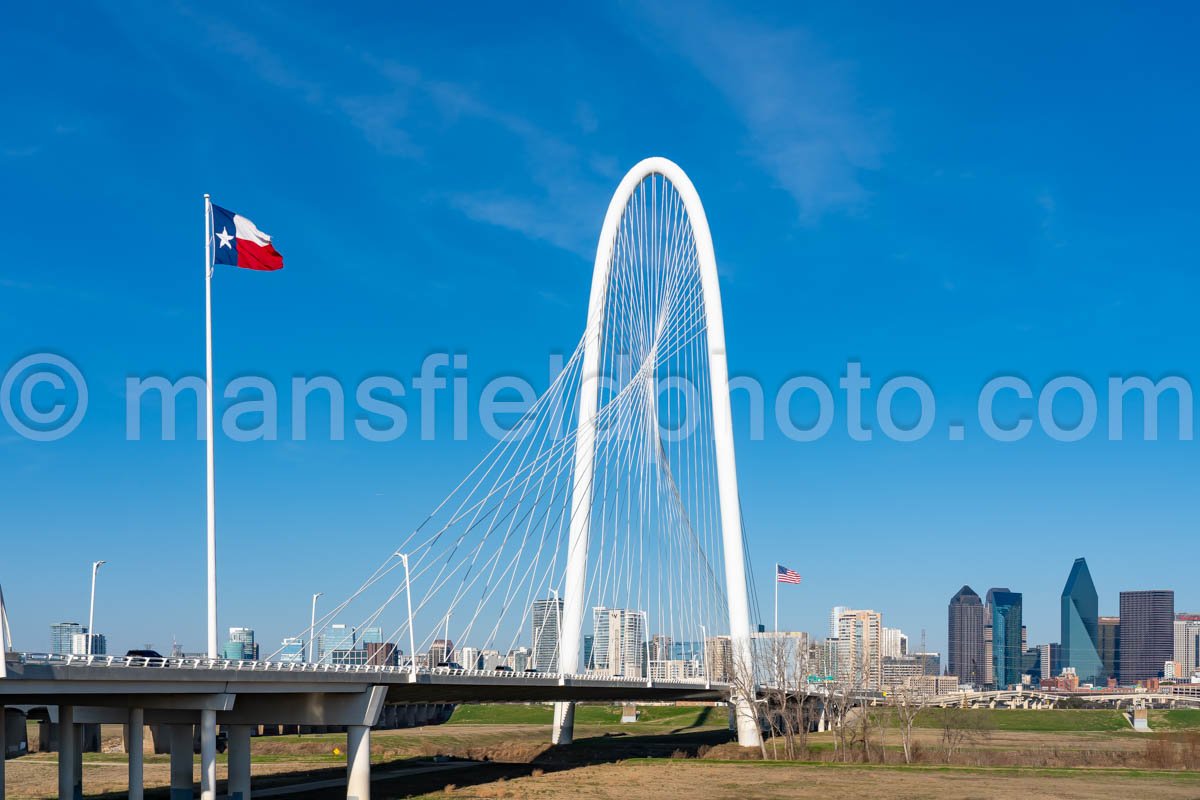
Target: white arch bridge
[599,548]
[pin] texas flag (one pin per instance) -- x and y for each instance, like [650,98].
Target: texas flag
[239,243]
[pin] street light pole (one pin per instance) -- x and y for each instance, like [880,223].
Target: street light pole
[92,607]
[312,626]
[412,641]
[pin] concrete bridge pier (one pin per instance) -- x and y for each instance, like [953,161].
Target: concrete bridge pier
[358,762]
[239,762]
[133,746]
[3,744]
[70,766]
[181,761]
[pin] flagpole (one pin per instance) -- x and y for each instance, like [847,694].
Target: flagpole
[208,360]
[208,717]
[777,598]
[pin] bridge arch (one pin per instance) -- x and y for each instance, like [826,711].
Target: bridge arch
[574,590]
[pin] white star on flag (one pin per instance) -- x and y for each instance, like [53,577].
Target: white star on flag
[225,238]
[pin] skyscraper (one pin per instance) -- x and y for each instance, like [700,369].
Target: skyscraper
[965,657]
[619,647]
[1108,642]
[1147,633]
[1007,646]
[241,646]
[1080,618]
[335,643]
[60,636]
[291,650]
[860,656]
[544,618]
[1187,643]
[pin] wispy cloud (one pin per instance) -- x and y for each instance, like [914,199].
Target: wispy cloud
[795,100]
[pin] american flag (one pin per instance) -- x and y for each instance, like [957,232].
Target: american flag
[785,575]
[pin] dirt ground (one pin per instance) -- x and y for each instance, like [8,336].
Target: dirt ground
[608,763]
[697,780]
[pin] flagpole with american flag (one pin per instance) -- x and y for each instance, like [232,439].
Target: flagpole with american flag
[783,575]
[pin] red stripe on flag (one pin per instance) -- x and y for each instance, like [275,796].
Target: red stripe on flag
[260,257]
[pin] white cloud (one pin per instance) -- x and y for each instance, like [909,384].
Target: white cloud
[795,100]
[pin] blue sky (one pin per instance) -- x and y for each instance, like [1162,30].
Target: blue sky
[954,194]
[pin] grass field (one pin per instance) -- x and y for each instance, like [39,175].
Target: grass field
[1044,753]
[1002,719]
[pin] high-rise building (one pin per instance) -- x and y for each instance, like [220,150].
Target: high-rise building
[340,639]
[381,654]
[79,644]
[1080,618]
[241,646]
[1147,633]
[718,657]
[833,620]
[370,635]
[60,636]
[490,659]
[620,641]
[860,658]
[965,659]
[544,619]
[1007,646]
[1108,642]
[442,652]
[662,647]
[518,660]
[1049,660]
[893,643]
[1187,643]
[470,658]
[292,650]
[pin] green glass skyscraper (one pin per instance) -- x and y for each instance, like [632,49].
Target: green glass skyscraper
[1007,653]
[1080,615]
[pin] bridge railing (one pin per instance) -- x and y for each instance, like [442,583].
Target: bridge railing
[199,662]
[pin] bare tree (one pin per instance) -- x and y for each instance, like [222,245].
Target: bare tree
[743,683]
[907,702]
[959,727]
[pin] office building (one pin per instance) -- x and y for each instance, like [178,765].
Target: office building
[1007,637]
[834,615]
[661,648]
[1079,623]
[370,635]
[620,641]
[61,637]
[1108,642]
[893,643]
[470,658]
[519,660]
[381,654]
[931,663]
[338,638]
[241,646]
[291,651]
[899,669]
[490,659]
[79,644]
[1049,660]
[1147,633]
[860,659]
[441,652]
[965,658]
[544,618]
[1187,643]
[718,658]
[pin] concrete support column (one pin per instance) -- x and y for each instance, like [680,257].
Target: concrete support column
[134,744]
[358,762]
[70,780]
[181,762]
[3,742]
[239,762]
[208,754]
